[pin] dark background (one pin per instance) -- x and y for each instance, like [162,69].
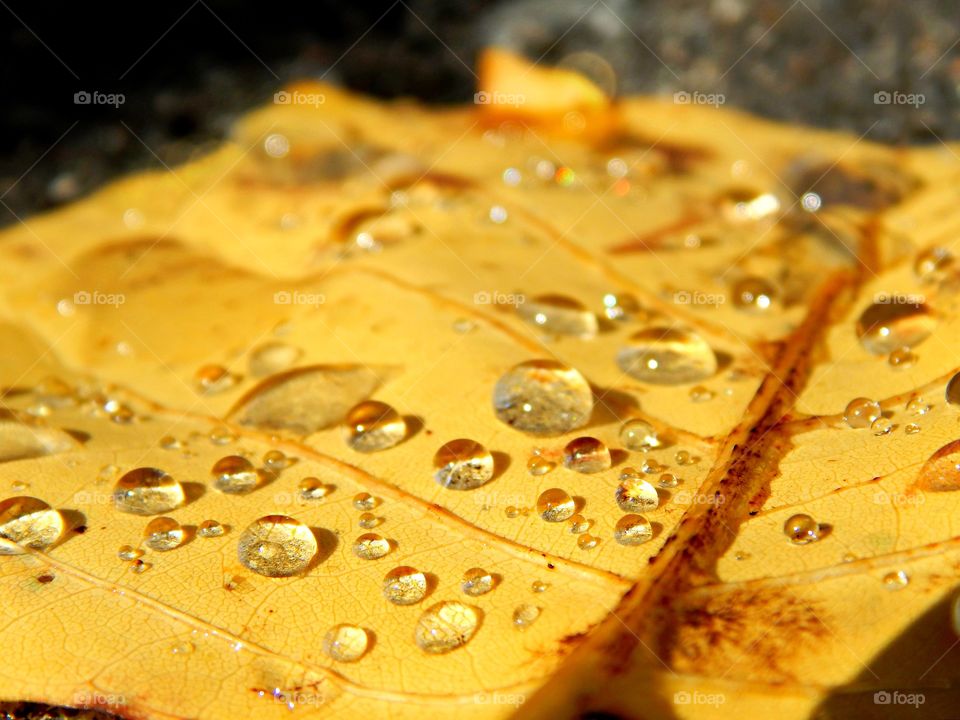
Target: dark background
[187,69]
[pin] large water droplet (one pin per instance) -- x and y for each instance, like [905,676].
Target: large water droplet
[559,315]
[163,534]
[639,435]
[887,326]
[372,426]
[147,491]
[667,356]
[404,585]
[634,494]
[543,397]
[555,505]
[445,626]
[801,529]
[862,412]
[234,475]
[370,546]
[476,581]
[586,455]
[941,472]
[632,530]
[277,546]
[463,465]
[27,522]
[346,643]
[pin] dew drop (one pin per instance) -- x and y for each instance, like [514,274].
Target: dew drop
[234,475]
[404,585]
[368,521]
[634,494]
[463,465]
[896,580]
[511,511]
[276,546]
[184,648]
[587,541]
[701,394]
[139,566]
[476,581]
[162,534]
[222,436]
[901,359]
[212,379]
[128,552]
[311,488]
[861,412]
[271,358]
[586,455]
[276,461]
[933,264]
[364,501]
[538,465]
[370,546]
[578,524]
[147,491]
[27,522]
[911,428]
[668,481]
[372,426]
[941,471]
[620,306]
[555,505]
[753,294]
[682,457]
[801,529]
[538,586]
[667,356]
[211,529]
[639,435]
[445,626]
[881,426]
[525,615]
[346,643]
[559,315]
[952,393]
[632,530]
[169,442]
[917,406]
[887,326]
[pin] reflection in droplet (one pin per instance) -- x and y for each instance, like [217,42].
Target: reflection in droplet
[27,522]
[276,546]
[370,546]
[463,464]
[445,626]
[543,397]
[211,529]
[559,315]
[346,643]
[667,356]
[887,326]
[634,494]
[639,435]
[476,581]
[147,491]
[372,426]
[586,455]
[862,412]
[234,475]
[555,505]
[404,586]
[163,534]
[632,530]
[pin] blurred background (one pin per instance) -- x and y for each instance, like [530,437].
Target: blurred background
[185,70]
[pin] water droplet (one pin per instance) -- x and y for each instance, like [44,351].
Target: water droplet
[555,505]
[682,457]
[464,325]
[346,643]
[668,481]
[28,522]
[147,491]
[276,461]
[902,359]
[740,555]
[634,494]
[234,475]
[211,379]
[122,415]
[952,393]
[476,581]
[276,546]
[445,626]
[621,306]
[222,436]
[941,471]
[559,315]
[861,412]
[579,524]
[404,585]
[525,615]
[911,428]
[801,529]
[511,512]
[881,426]
[128,552]
[162,534]
[587,542]
[701,394]
[917,406]
[139,566]
[887,326]
[364,501]
[368,521]
[538,586]
[543,397]
[632,530]
[933,264]
[896,580]
[667,356]
[463,465]
[753,294]
[272,357]
[312,489]
[639,435]
[370,546]
[210,529]
[372,426]
[586,455]
[169,442]
[184,648]
[538,465]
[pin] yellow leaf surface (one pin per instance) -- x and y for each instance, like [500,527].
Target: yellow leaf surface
[384,249]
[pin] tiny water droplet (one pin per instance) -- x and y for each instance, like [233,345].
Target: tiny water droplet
[587,541]
[639,435]
[372,426]
[364,501]
[463,464]
[445,626]
[511,512]
[538,586]
[848,557]
[753,294]
[404,585]
[668,481]
[210,529]
[543,397]
[139,566]
[162,534]
[368,521]
[184,648]
[586,455]
[128,552]
[464,325]
[476,581]
[107,472]
[169,442]
[346,643]
[222,436]
[917,406]
[620,306]
[663,355]
[579,524]
[311,488]
[234,475]
[801,529]
[538,465]
[933,264]
[525,615]
[555,505]
[272,357]
[682,457]
[896,580]
[276,461]
[632,530]
[740,555]
[911,428]
[861,412]
[634,494]
[211,379]
[370,546]
[559,315]
[887,326]
[901,358]
[701,394]
[147,491]
[881,426]
[276,546]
